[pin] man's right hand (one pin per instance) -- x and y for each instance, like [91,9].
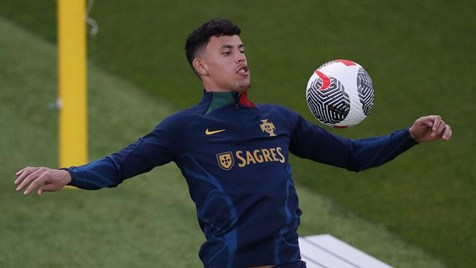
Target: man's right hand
[42,179]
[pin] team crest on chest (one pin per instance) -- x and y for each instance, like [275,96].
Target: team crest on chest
[225,160]
[268,127]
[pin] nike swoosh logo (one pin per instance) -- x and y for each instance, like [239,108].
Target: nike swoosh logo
[211,132]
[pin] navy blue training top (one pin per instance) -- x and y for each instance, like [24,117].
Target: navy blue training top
[234,156]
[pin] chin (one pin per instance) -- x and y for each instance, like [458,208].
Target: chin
[244,86]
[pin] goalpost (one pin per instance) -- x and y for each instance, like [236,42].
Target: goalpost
[72,82]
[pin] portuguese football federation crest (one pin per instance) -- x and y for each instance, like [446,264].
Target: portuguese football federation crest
[225,160]
[268,127]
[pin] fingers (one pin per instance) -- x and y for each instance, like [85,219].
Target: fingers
[46,188]
[430,128]
[428,121]
[21,175]
[438,126]
[41,178]
[447,133]
[439,129]
[30,178]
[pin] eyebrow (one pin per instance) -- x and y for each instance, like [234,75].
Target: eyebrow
[231,46]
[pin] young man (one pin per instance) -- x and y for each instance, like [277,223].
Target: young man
[234,156]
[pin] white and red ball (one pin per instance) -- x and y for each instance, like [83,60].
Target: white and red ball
[340,93]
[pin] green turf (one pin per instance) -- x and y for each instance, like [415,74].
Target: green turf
[419,53]
[148,221]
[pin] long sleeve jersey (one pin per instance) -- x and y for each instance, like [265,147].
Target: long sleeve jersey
[234,156]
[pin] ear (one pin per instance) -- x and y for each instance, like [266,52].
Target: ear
[200,66]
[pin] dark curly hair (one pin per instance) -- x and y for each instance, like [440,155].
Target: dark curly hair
[200,37]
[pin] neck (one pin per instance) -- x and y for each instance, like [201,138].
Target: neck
[222,98]
[226,90]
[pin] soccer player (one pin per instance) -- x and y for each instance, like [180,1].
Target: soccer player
[234,155]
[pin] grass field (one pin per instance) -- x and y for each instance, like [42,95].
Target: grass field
[151,218]
[148,221]
[420,56]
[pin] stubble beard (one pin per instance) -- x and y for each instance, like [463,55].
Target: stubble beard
[244,85]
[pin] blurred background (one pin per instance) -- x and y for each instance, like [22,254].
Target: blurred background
[417,211]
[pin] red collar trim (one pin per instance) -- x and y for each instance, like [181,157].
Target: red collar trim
[245,101]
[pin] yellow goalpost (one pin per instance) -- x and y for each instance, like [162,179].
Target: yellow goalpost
[72,82]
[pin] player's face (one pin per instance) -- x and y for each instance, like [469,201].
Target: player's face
[224,65]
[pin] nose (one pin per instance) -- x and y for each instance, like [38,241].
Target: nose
[241,57]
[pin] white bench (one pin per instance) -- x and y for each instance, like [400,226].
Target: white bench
[326,251]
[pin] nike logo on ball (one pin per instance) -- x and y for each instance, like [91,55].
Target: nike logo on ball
[212,132]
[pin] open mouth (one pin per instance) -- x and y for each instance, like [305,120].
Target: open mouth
[243,70]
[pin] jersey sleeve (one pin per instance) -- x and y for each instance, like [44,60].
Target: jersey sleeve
[157,148]
[313,142]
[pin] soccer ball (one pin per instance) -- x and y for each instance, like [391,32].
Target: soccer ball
[340,93]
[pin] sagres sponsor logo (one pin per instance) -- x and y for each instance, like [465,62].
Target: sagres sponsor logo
[225,160]
[267,127]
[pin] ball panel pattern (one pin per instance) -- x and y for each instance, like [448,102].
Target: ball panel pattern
[330,105]
[366,91]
